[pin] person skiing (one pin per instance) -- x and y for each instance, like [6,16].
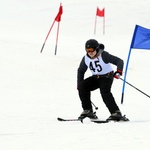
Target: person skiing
[99,62]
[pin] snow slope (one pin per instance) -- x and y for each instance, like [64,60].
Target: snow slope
[36,88]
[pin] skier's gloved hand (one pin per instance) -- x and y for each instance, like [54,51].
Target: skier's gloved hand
[117,74]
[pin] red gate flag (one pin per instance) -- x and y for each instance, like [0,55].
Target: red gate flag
[58,17]
[99,12]
[141,38]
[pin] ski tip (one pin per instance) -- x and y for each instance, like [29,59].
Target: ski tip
[59,119]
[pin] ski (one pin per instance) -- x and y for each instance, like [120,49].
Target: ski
[99,121]
[92,120]
[123,119]
[61,119]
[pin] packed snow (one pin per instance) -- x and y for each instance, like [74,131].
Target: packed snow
[36,88]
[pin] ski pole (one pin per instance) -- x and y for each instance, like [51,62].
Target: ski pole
[136,88]
[94,105]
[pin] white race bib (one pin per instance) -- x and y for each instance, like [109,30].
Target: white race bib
[97,66]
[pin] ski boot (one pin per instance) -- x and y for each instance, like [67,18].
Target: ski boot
[117,116]
[88,113]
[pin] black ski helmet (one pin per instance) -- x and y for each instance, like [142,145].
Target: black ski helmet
[92,43]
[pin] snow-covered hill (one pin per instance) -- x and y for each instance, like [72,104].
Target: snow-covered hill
[36,88]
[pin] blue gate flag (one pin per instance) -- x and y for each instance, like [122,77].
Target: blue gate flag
[140,40]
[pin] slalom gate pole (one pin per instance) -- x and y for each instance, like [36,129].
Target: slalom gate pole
[57,38]
[47,36]
[135,87]
[95,25]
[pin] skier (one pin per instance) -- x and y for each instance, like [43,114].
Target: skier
[99,62]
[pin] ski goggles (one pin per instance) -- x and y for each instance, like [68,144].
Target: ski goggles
[90,50]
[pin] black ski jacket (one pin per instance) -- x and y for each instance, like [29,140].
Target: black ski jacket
[106,57]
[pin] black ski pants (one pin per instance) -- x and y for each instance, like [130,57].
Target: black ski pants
[92,83]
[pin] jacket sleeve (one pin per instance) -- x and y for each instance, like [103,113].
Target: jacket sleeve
[108,58]
[81,71]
